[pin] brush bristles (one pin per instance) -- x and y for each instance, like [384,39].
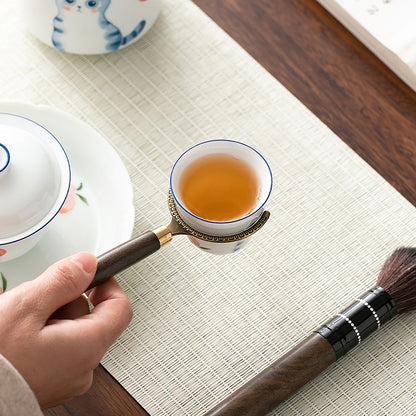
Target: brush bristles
[398,278]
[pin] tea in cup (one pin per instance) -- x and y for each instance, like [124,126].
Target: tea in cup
[220,188]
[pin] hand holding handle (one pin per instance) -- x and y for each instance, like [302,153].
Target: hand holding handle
[123,256]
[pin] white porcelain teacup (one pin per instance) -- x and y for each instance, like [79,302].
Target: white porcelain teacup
[89,26]
[221,228]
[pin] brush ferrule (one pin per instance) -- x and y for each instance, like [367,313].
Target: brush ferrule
[348,328]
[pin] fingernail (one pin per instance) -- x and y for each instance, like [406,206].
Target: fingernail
[87,261]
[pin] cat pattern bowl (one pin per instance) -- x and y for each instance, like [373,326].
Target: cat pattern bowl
[89,26]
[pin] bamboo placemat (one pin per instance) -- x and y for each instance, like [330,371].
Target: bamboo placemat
[205,324]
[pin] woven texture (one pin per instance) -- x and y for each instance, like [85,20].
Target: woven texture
[204,324]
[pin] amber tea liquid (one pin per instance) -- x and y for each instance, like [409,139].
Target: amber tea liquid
[219,187]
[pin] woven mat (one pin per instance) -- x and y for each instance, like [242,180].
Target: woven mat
[205,324]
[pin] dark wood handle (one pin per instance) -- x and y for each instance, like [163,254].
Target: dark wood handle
[123,256]
[280,380]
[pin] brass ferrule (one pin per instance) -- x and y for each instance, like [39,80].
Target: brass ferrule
[163,234]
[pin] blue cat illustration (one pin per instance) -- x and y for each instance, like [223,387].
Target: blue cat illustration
[77,23]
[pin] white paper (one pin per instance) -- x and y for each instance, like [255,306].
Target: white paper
[386,27]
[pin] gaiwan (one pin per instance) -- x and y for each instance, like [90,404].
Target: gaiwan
[89,26]
[35,177]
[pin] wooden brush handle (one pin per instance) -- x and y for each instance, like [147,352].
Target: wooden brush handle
[280,380]
[126,254]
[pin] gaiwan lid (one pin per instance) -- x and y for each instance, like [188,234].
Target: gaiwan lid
[34,177]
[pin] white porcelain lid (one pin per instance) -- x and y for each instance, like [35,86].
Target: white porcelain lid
[34,177]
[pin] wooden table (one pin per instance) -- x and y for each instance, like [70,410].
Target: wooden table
[339,80]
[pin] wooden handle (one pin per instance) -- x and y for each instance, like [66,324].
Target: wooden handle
[123,256]
[280,380]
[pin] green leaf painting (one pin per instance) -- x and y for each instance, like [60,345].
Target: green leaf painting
[82,198]
[3,282]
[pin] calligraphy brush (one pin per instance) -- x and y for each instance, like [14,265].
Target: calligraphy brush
[394,293]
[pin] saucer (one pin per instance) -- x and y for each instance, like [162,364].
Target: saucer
[97,216]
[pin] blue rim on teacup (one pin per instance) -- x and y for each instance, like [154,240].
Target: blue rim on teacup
[213,227]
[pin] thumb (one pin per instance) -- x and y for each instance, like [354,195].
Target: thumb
[62,283]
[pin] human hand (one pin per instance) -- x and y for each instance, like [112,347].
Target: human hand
[48,333]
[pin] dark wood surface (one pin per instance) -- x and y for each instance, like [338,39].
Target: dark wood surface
[339,80]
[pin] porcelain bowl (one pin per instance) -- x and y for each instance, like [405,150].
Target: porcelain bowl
[89,26]
[35,177]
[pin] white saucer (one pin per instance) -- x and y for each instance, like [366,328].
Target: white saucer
[108,218]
